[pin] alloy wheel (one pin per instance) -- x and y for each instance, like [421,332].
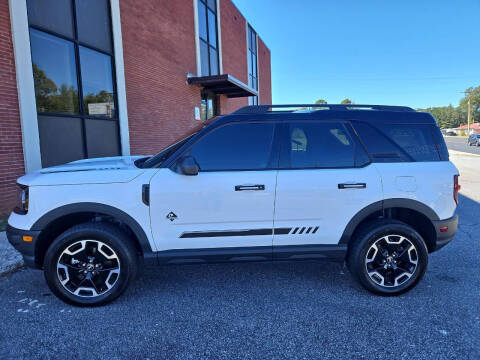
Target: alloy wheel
[88,268]
[391,261]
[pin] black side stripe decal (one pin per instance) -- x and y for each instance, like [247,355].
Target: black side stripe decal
[226,233]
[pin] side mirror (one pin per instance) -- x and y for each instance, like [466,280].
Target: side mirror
[187,166]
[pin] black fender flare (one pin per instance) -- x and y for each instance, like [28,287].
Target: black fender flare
[381,206]
[118,214]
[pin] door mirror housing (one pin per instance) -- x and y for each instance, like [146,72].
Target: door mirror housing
[187,166]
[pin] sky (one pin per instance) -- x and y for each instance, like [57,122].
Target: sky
[419,53]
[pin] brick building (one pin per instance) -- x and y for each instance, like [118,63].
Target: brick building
[92,78]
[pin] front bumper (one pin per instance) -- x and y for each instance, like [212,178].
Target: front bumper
[27,249]
[445,236]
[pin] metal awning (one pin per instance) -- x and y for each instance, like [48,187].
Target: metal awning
[223,84]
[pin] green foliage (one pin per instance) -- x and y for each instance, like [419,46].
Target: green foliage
[451,117]
[346,101]
[320,102]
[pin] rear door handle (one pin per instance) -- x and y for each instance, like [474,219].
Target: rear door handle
[352,186]
[249,187]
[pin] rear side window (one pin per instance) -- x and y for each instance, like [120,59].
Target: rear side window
[317,145]
[240,146]
[399,142]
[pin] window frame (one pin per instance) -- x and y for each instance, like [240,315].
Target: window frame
[82,115]
[285,159]
[250,55]
[273,158]
[208,42]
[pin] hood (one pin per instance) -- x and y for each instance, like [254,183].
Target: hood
[118,169]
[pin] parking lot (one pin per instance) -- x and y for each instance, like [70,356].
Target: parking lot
[459,143]
[263,310]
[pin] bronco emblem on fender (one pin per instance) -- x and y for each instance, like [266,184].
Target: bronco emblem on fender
[171,216]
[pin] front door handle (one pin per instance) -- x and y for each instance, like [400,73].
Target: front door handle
[249,187]
[352,186]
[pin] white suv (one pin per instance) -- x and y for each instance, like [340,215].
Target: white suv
[369,185]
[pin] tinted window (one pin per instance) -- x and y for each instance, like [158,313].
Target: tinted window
[235,147]
[93,23]
[53,15]
[380,148]
[54,73]
[97,83]
[319,145]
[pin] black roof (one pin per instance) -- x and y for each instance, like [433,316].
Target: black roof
[366,113]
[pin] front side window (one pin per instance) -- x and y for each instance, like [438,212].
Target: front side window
[207,31]
[318,145]
[252,64]
[72,58]
[246,146]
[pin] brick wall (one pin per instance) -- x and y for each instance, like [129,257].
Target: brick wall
[11,151]
[264,73]
[159,50]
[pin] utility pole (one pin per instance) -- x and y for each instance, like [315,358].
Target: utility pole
[468,93]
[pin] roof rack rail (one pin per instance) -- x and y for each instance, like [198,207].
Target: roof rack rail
[263,109]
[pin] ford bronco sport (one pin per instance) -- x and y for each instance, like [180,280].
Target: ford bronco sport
[369,185]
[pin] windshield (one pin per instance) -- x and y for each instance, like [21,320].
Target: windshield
[163,155]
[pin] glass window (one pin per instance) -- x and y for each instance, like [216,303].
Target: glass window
[97,82]
[102,138]
[54,73]
[213,62]
[252,64]
[380,147]
[71,50]
[416,140]
[207,23]
[202,21]
[52,15]
[319,145]
[243,146]
[208,107]
[93,23]
[61,139]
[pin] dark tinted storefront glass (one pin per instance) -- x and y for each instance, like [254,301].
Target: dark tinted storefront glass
[204,58]
[235,147]
[213,62]
[53,15]
[102,138]
[96,70]
[54,73]
[212,29]
[61,139]
[93,23]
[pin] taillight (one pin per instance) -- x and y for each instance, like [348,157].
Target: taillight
[456,188]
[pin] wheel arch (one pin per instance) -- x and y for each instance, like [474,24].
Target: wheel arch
[56,221]
[412,212]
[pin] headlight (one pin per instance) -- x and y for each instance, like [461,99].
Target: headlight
[22,200]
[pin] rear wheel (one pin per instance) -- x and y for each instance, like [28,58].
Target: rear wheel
[90,264]
[388,257]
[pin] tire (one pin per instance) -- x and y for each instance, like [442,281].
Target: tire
[394,272]
[90,264]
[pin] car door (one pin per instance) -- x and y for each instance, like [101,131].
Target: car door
[229,204]
[325,178]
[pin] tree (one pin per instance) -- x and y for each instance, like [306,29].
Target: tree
[320,102]
[474,94]
[346,101]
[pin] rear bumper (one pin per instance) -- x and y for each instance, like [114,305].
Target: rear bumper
[27,249]
[445,236]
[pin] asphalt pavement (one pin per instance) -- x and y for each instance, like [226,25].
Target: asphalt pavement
[308,310]
[459,143]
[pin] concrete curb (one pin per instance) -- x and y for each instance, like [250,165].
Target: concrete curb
[10,259]
[461,153]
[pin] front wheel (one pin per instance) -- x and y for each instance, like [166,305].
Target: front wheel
[388,257]
[90,264]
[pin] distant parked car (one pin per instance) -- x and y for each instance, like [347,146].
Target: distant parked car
[474,139]
[451,133]
[444,132]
